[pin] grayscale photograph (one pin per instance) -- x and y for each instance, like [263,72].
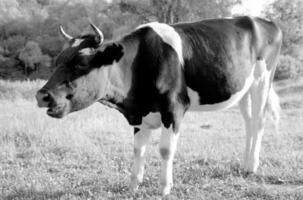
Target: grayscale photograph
[151,99]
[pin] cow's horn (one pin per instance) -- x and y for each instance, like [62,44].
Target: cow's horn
[64,34]
[98,32]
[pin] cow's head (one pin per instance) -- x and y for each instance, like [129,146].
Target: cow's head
[82,74]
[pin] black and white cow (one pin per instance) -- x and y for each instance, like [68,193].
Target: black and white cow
[158,72]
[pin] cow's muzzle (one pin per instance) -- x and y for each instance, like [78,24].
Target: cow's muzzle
[57,106]
[44,98]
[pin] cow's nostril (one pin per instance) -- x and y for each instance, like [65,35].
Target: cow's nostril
[46,98]
[69,96]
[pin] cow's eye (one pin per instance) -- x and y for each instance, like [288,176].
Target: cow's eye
[81,66]
[68,84]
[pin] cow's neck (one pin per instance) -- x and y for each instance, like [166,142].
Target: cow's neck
[120,77]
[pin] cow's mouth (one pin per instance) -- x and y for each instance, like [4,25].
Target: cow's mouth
[57,111]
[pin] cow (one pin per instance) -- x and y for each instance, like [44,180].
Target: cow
[157,72]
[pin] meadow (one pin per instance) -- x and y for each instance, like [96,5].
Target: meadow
[88,155]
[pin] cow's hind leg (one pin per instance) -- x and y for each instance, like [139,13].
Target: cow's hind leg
[142,136]
[168,145]
[259,96]
[245,107]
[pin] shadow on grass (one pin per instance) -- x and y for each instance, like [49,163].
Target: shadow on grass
[273,180]
[41,195]
[214,169]
[31,194]
[117,188]
[291,90]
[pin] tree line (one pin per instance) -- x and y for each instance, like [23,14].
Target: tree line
[29,39]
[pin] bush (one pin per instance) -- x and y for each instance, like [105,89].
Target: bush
[296,51]
[14,44]
[288,67]
[31,54]
[50,45]
[45,61]
[17,27]
[32,57]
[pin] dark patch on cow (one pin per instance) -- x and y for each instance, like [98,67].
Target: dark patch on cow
[136,130]
[111,53]
[74,65]
[244,22]
[72,58]
[137,151]
[89,41]
[165,153]
[158,84]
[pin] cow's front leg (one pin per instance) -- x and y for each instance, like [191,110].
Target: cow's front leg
[141,139]
[168,145]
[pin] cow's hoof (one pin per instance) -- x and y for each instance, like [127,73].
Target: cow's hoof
[165,190]
[250,170]
[247,173]
[135,182]
[252,166]
[133,186]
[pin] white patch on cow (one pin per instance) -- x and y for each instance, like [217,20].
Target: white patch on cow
[77,42]
[234,99]
[168,35]
[118,80]
[86,51]
[151,121]
[167,147]
[259,97]
[116,83]
[141,140]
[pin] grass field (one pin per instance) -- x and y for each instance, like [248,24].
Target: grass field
[88,154]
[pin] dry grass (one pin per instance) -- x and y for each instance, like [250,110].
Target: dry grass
[88,154]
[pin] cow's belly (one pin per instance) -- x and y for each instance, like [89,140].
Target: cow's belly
[234,98]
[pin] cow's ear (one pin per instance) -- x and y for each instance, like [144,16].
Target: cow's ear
[114,51]
[108,55]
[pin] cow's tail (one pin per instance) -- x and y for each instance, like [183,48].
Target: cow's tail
[273,107]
